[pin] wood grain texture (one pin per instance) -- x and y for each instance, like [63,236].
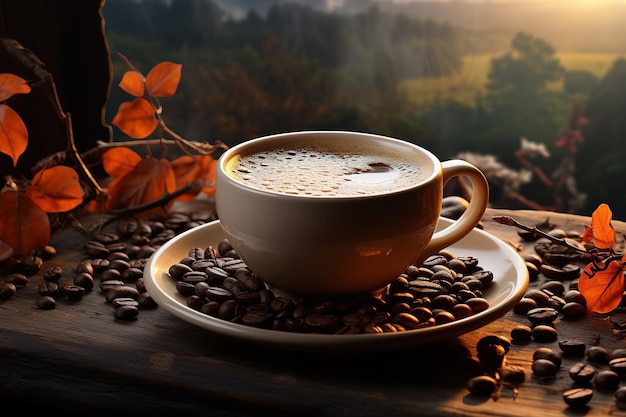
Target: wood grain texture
[78,358]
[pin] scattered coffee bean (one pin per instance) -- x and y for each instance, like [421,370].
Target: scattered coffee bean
[598,354]
[46,302]
[549,354]
[126,312]
[544,368]
[482,385]
[577,397]
[572,347]
[544,333]
[582,372]
[7,290]
[606,380]
[521,334]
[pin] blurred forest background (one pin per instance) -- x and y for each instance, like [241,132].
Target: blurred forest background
[533,92]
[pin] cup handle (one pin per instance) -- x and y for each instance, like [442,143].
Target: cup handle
[474,212]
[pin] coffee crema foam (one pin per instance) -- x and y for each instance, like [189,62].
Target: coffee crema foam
[309,171]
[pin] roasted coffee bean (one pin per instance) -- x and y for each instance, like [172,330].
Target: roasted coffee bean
[84,266]
[95,249]
[127,226]
[554,287]
[482,385]
[126,312]
[31,265]
[177,271]
[512,374]
[46,252]
[606,380]
[491,351]
[461,311]
[46,302]
[620,398]
[573,310]
[542,315]
[617,353]
[443,317]
[145,251]
[544,333]
[618,365]
[326,323]
[49,288]
[53,274]
[146,301]
[549,354]
[124,301]
[19,280]
[572,347]
[139,284]
[540,297]
[574,296]
[84,280]
[477,304]
[524,305]
[132,274]
[106,285]
[544,368]
[111,275]
[107,237]
[486,277]
[73,292]
[521,334]
[7,290]
[582,372]
[99,264]
[566,272]
[119,264]
[533,258]
[597,354]
[577,397]
[194,277]
[123,291]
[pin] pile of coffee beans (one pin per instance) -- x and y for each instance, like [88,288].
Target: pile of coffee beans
[445,288]
[114,262]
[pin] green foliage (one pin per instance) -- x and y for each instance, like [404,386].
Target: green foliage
[299,68]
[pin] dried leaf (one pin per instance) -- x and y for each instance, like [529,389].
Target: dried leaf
[148,181]
[163,79]
[118,162]
[603,290]
[11,84]
[56,189]
[136,118]
[603,232]
[133,83]
[13,133]
[587,236]
[195,168]
[23,225]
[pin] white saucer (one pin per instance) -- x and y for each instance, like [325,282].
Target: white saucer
[510,280]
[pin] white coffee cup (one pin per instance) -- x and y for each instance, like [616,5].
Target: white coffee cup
[327,213]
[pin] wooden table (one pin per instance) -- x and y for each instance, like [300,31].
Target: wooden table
[77,358]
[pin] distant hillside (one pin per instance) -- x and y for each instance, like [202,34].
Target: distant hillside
[569,25]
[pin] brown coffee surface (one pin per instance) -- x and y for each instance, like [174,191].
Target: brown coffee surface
[311,171]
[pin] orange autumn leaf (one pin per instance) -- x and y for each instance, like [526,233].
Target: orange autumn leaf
[199,168]
[136,118]
[133,83]
[602,290]
[603,232]
[56,189]
[23,225]
[163,79]
[11,84]
[117,162]
[148,181]
[13,133]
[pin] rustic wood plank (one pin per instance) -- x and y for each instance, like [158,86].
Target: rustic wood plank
[78,357]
